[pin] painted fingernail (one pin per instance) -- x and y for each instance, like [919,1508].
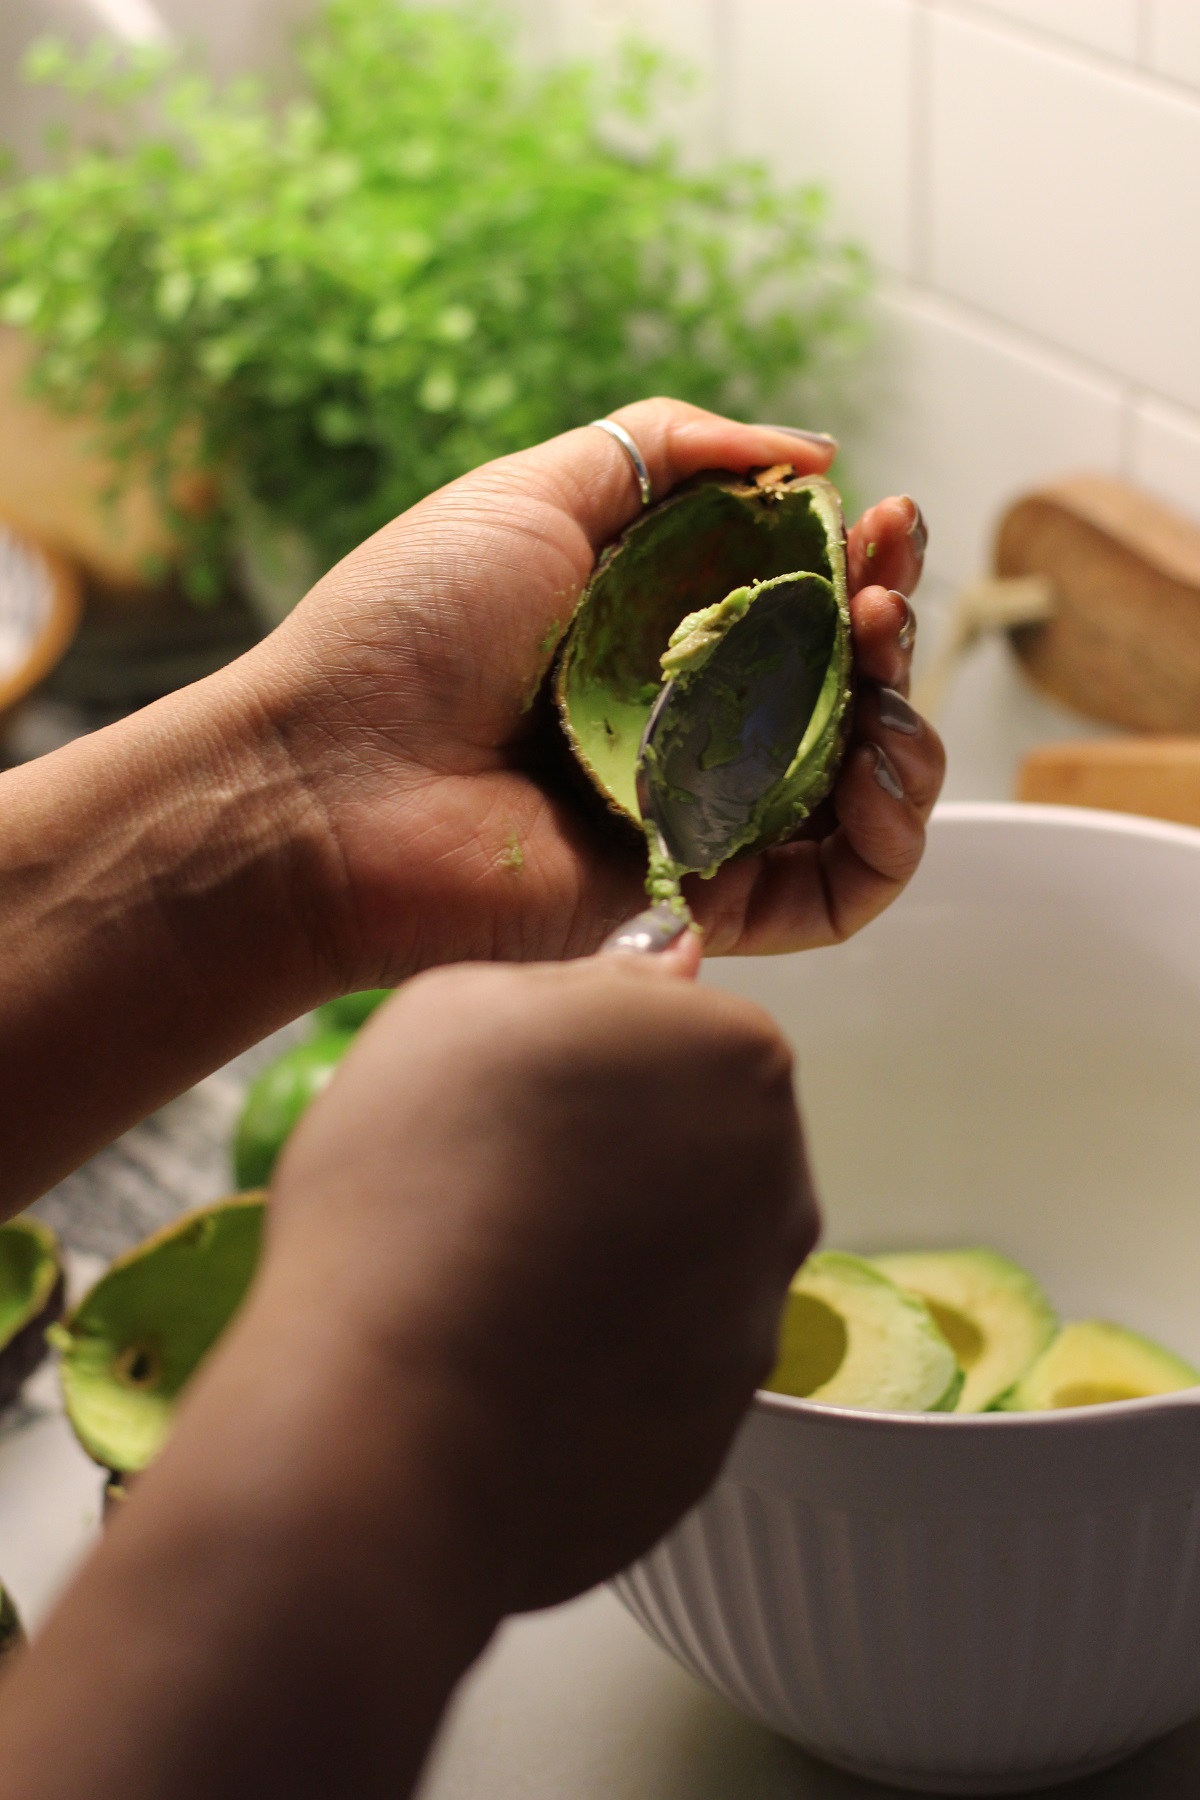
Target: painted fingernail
[906,637]
[918,531]
[821,439]
[647,935]
[886,776]
[895,714]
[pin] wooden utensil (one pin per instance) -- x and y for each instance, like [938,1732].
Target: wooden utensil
[1156,776]
[1122,641]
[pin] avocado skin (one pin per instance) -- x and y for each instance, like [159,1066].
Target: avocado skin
[26,1348]
[276,1100]
[169,1300]
[710,536]
[349,1012]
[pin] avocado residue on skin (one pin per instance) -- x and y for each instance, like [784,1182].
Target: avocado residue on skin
[512,857]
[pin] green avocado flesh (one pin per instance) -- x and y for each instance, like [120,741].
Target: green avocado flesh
[671,598]
[276,1100]
[1092,1362]
[135,1340]
[853,1338]
[992,1313]
[31,1298]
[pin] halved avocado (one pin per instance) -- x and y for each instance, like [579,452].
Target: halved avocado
[350,1011]
[853,1338]
[991,1312]
[31,1298]
[703,556]
[275,1101]
[135,1340]
[1092,1362]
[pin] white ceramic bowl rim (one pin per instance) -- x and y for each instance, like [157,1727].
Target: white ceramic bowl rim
[1081,1420]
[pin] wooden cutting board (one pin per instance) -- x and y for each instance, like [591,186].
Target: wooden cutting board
[1156,776]
[53,485]
[1123,641]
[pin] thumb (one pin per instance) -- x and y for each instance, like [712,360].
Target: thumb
[666,940]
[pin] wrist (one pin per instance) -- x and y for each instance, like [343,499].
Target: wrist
[304,1436]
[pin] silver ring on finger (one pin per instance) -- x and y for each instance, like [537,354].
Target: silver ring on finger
[619,434]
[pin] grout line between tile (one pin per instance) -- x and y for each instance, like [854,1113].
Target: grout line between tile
[920,221]
[1085,57]
[721,27]
[967,315]
[1127,447]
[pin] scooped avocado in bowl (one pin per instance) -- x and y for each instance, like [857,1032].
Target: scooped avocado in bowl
[992,1312]
[1091,1363]
[853,1338]
[727,604]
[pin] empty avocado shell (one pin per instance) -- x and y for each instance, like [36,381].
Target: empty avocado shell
[135,1340]
[709,540]
[31,1298]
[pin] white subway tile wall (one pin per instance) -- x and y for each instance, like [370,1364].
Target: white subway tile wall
[1173,39]
[823,91]
[1026,174]
[1110,26]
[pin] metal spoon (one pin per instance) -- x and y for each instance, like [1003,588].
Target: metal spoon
[719,738]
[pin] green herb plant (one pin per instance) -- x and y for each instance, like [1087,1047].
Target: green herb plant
[436,255]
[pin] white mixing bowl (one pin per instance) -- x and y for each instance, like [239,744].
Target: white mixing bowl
[1010,1057]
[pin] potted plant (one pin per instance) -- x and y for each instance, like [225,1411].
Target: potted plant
[312,313]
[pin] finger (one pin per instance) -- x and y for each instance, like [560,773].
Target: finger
[887,546]
[884,629]
[589,476]
[660,937]
[913,748]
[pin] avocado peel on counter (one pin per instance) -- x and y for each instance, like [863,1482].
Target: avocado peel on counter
[137,1337]
[31,1299]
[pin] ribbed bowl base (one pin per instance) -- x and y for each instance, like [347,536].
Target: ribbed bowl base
[921,1783]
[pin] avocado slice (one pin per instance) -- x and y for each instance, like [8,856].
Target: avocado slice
[31,1298]
[676,589]
[991,1312]
[1091,1362]
[276,1099]
[134,1341]
[350,1011]
[851,1337]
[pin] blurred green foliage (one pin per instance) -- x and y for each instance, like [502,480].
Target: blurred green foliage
[435,256]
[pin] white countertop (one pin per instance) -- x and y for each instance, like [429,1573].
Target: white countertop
[579,1704]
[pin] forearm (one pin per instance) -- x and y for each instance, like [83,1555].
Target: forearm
[157,893]
[283,1606]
